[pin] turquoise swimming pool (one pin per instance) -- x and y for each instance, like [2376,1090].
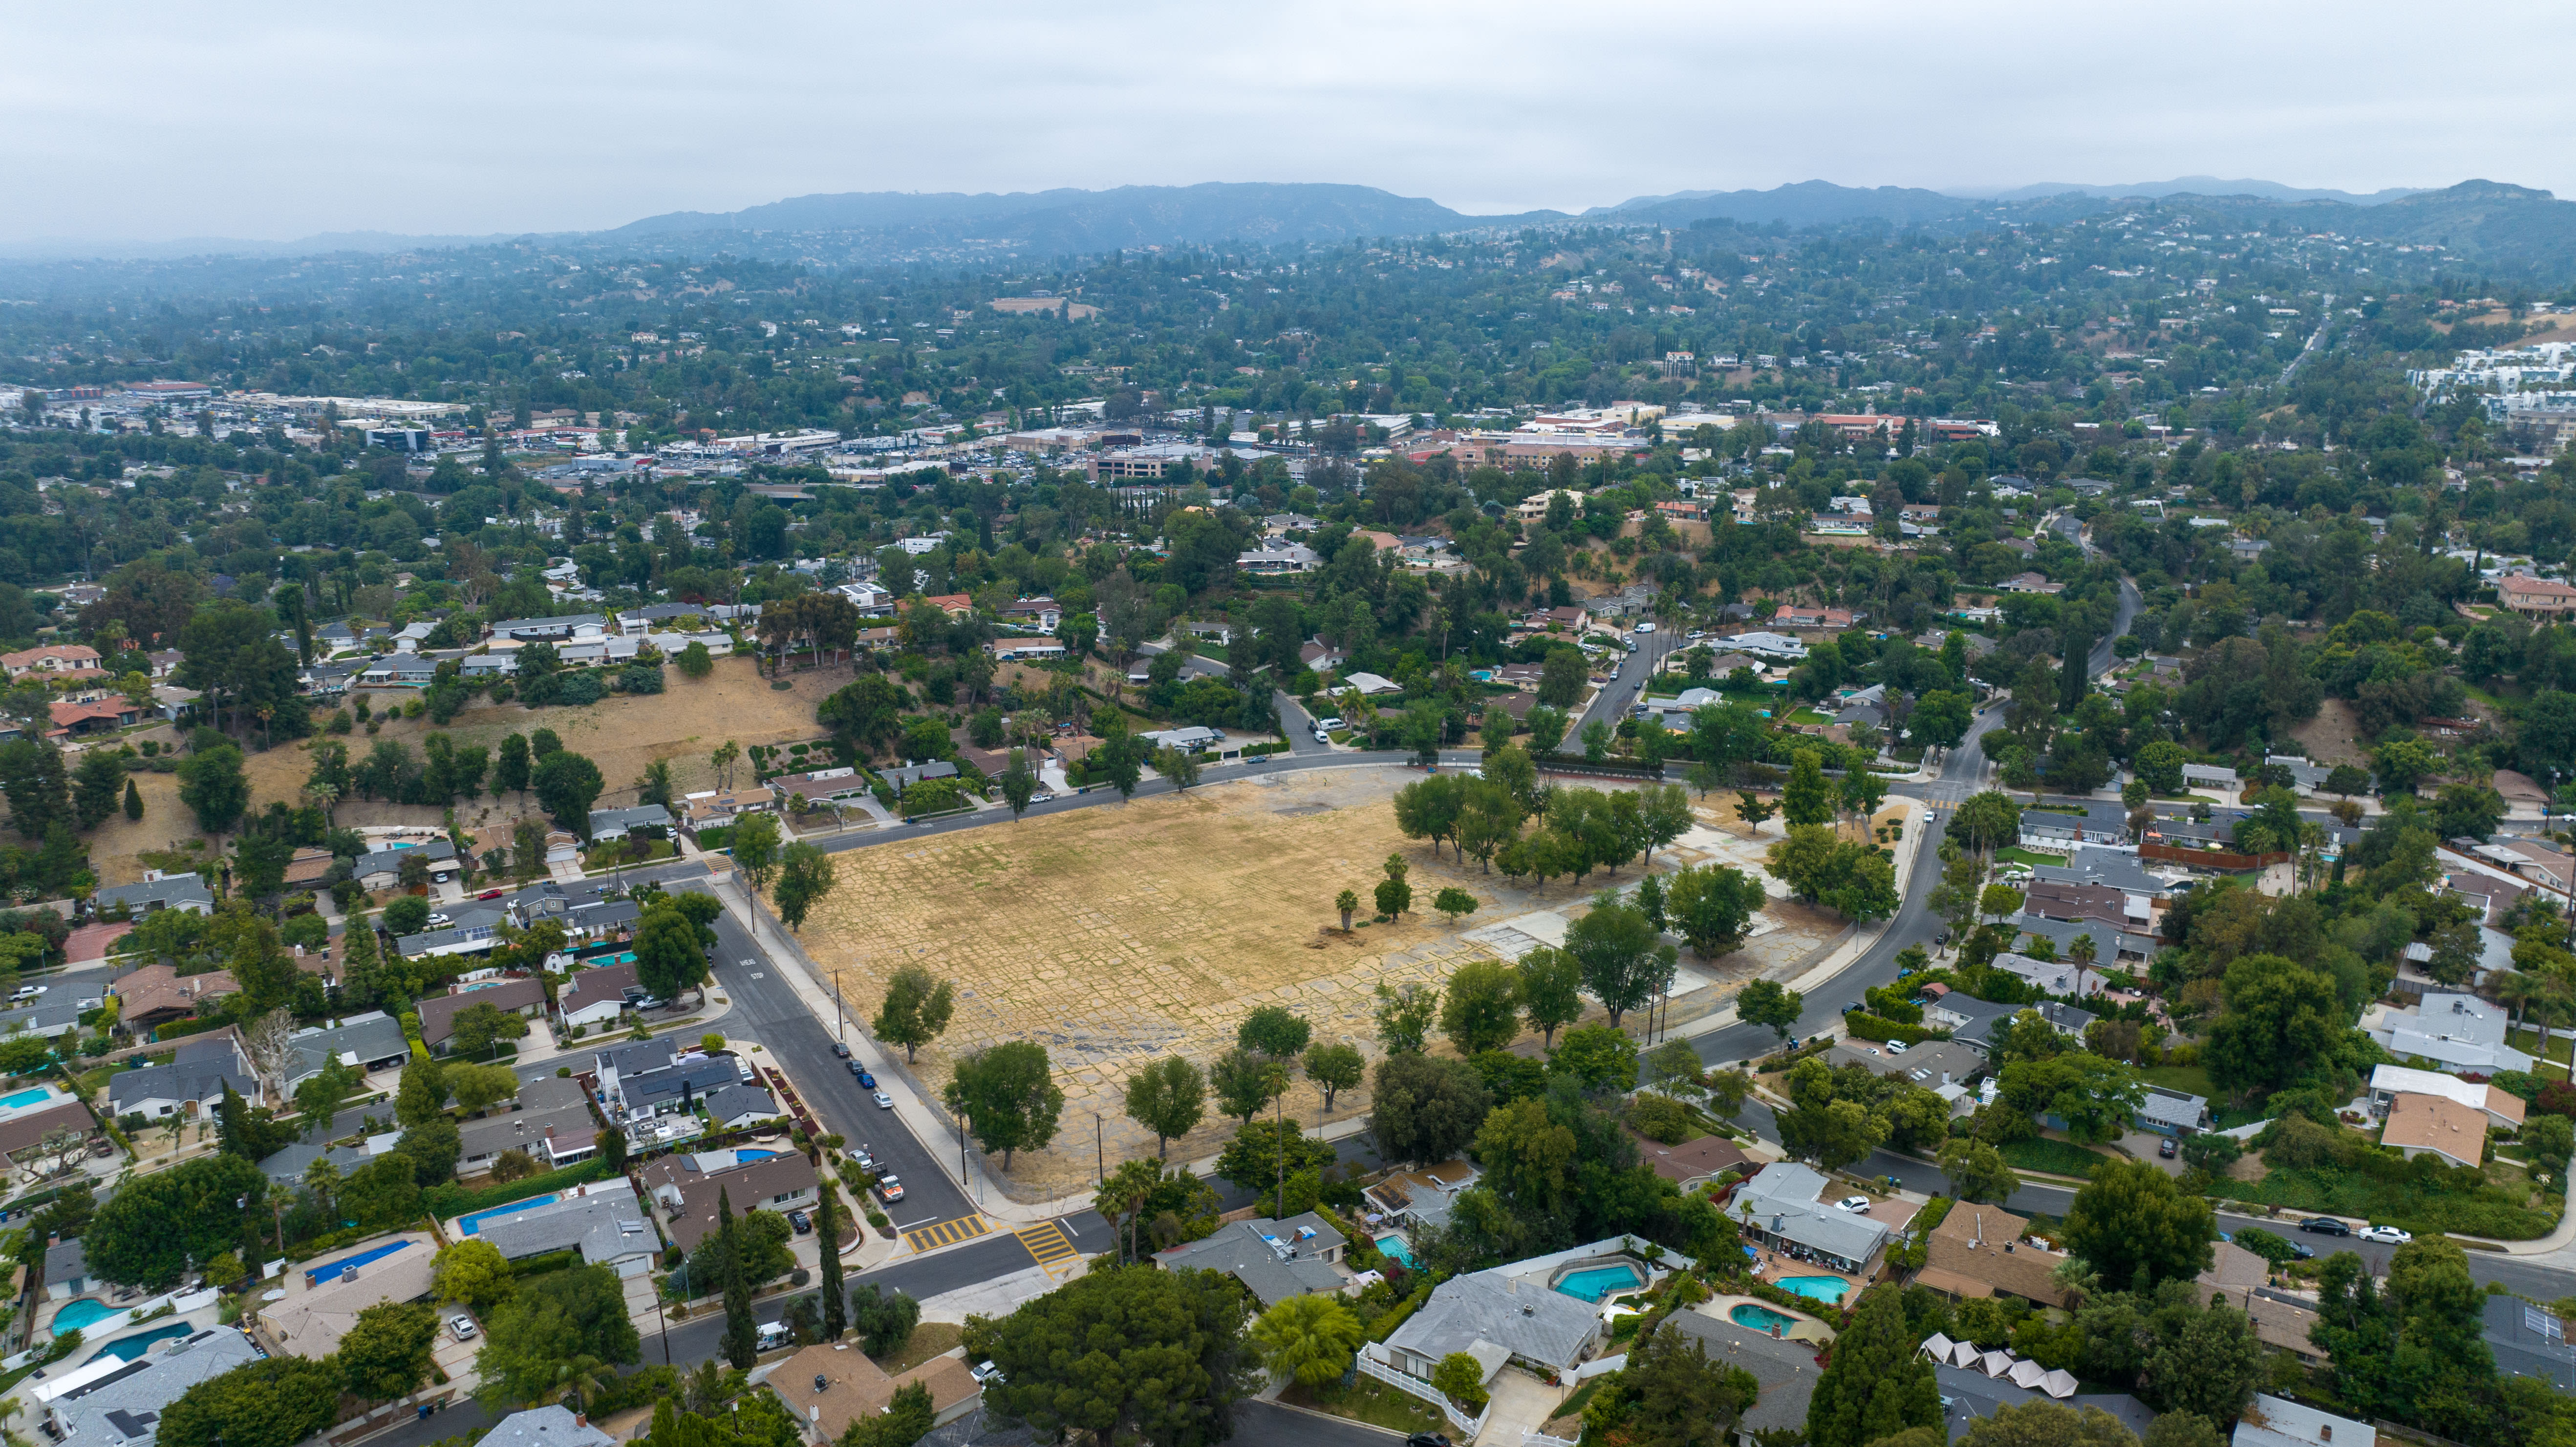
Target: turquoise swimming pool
[83,1314]
[473,1225]
[1760,1318]
[1394,1246]
[748,1154]
[127,1348]
[1600,1281]
[25,1097]
[1827,1289]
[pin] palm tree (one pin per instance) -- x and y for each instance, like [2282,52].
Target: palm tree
[1309,1337]
[581,1377]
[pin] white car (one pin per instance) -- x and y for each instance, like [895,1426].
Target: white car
[27,992]
[985,1374]
[2387,1234]
[1854,1204]
[1699,633]
[1322,737]
[1329,724]
[1645,628]
[748,964]
[462,1325]
[1895,1047]
[884,1101]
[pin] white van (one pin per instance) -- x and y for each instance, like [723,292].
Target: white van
[773,1335]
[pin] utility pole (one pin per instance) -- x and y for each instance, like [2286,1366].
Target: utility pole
[1099,1152]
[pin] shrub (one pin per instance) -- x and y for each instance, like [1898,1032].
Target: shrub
[1660,1118]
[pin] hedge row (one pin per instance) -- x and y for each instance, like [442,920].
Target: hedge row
[1871,1027]
[448,1201]
[1395,1316]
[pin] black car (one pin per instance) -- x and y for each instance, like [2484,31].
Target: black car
[798,1219]
[2167,1149]
[857,1070]
[841,1050]
[1426,1439]
[2303,1251]
[2325,1226]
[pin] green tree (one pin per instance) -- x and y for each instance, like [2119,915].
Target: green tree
[274,1402]
[1623,964]
[804,877]
[1765,1002]
[2136,1228]
[756,848]
[511,773]
[1596,1057]
[1461,1378]
[1334,1068]
[2279,1020]
[1877,1385]
[1986,822]
[1246,1083]
[1711,906]
[473,1274]
[741,1341]
[883,1319]
[2211,1366]
[670,951]
[827,1236]
[155,1225]
[1454,903]
[1311,1338]
[1394,897]
[1169,1098]
[1550,991]
[916,1009]
[386,1352]
[133,801]
[213,785]
[1405,1016]
[1481,1009]
[1348,903]
[1976,1170]
[480,1028]
[1127,1353]
[1275,1031]
[2047,1424]
[1008,1097]
[567,785]
[1426,1110]
[1807,798]
[1263,1152]
[555,1328]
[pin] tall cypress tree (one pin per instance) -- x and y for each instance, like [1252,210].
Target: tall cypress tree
[741,1345]
[1877,1386]
[827,1230]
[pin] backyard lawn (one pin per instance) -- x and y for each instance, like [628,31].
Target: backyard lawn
[2060,1158]
[2019,855]
[1371,1401]
[2189,1079]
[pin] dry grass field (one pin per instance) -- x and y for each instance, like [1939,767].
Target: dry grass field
[619,733]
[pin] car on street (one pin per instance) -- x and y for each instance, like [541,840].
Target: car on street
[884,1101]
[1329,724]
[1699,633]
[863,1159]
[1853,1008]
[804,1224]
[2325,1226]
[1942,939]
[2167,1149]
[492,894]
[1322,737]
[1645,627]
[2303,1251]
[1427,1439]
[461,1327]
[1042,797]
[27,992]
[2388,1235]
[855,1069]
[748,964]
[866,1081]
[841,1050]
[889,1189]
[1852,1203]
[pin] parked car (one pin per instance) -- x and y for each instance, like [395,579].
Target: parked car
[985,1374]
[461,1327]
[841,1050]
[26,992]
[1852,1203]
[1895,1047]
[1329,724]
[1645,628]
[2167,1148]
[857,1070]
[884,1101]
[804,1224]
[866,1081]
[1042,797]
[492,894]
[2303,1251]
[889,1189]
[2325,1226]
[2387,1234]
[1322,737]
[1427,1439]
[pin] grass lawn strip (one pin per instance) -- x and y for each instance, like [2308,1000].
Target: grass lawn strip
[1370,1401]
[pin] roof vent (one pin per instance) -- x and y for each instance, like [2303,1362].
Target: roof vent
[1528,1310]
[820,1381]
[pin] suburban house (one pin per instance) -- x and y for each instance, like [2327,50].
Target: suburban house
[1422,1196]
[2172,1112]
[381,869]
[525,998]
[2086,904]
[732,1107]
[1784,1370]
[2279,1422]
[714,809]
[597,996]
[98,715]
[108,1402]
[1274,1260]
[1692,1162]
[2529,596]
[1972,1022]
[655,1077]
[160,891]
[1783,1207]
[609,823]
[832,1386]
[67,659]
[552,1138]
[562,629]
[547,1427]
[66,1269]
[46,1020]
[368,1043]
[1977,1250]
[2459,1033]
[1041,614]
[2057,977]
[603,1221]
[27,1128]
[1497,1318]
[2504,1109]
[191,1084]
[685,1189]
[2109,943]
[2066,823]
[311,1322]
[2433,1125]
[911,774]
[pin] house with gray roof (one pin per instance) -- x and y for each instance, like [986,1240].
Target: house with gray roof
[66,1270]
[2057,977]
[607,822]
[1497,1318]
[191,1083]
[553,1138]
[2305,778]
[607,1224]
[2172,1112]
[911,774]
[546,1427]
[1972,1022]
[121,1405]
[550,630]
[2527,1340]
[1783,1206]
[160,891]
[2109,944]
[524,997]
[2279,1422]
[369,1043]
[1785,1370]
[382,868]
[652,1077]
[291,1160]
[1968,1394]
[45,1020]
[2106,864]
[733,1106]
[2456,1032]
[1274,1260]
[2055,825]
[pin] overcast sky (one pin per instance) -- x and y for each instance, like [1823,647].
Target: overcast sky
[274,121]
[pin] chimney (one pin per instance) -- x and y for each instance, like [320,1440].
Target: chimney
[581,1419]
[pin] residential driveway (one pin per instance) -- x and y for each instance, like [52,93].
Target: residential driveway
[1522,1403]
[2144,1145]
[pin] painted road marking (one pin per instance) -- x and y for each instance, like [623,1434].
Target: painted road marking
[947,1233]
[1050,1247]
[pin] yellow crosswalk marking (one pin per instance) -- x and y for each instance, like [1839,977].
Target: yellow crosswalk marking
[1049,1246]
[947,1233]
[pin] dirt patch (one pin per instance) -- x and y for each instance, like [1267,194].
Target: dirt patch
[619,733]
[2332,737]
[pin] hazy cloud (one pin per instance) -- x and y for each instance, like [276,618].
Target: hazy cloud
[262,120]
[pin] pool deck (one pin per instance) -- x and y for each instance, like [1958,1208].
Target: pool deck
[1803,1327]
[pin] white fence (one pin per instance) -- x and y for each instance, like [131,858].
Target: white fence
[1541,1439]
[1393,1378]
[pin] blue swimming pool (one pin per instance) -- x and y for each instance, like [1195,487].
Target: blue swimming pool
[752,1155]
[330,1270]
[1760,1318]
[1394,1246]
[25,1097]
[473,1225]
[83,1314]
[127,1348]
[1827,1289]
[1600,1281]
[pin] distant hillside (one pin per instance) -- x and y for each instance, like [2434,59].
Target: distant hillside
[2193,186]
[1802,203]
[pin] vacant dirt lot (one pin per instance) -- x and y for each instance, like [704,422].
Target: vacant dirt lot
[1116,934]
[618,733]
